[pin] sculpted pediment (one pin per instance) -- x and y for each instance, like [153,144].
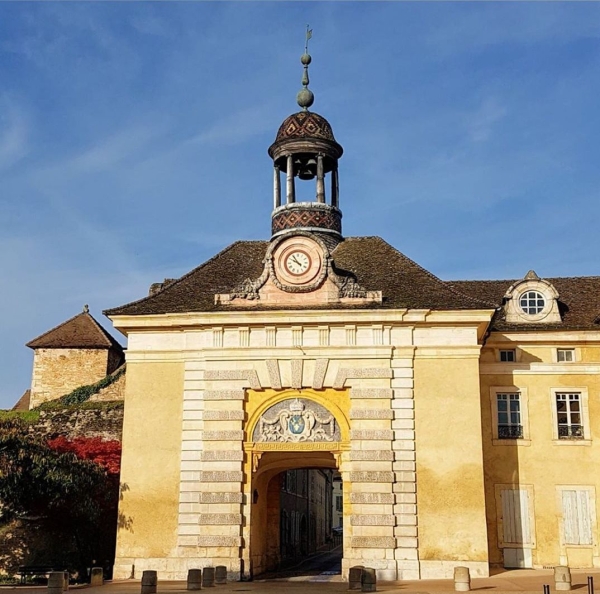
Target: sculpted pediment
[299,270]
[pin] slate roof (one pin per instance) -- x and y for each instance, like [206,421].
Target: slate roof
[81,331]
[578,302]
[376,265]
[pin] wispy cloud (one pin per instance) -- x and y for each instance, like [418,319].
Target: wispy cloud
[14,133]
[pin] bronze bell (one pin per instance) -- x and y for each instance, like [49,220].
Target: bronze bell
[307,168]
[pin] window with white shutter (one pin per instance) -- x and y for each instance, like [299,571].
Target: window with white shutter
[516,523]
[577,516]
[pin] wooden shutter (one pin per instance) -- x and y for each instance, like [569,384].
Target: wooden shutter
[577,523]
[515,516]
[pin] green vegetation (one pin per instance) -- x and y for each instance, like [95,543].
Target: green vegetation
[27,416]
[83,393]
[68,503]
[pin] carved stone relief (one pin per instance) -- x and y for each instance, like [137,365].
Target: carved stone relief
[296,420]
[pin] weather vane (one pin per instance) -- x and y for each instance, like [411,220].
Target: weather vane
[308,36]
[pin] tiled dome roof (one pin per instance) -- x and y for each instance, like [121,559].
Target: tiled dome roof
[305,124]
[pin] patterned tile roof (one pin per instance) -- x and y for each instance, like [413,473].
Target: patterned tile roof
[578,302]
[81,331]
[376,265]
[305,124]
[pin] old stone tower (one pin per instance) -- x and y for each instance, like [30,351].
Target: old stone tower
[75,353]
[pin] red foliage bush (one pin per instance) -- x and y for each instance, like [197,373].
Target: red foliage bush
[105,453]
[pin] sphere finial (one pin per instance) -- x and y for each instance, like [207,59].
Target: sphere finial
[305,97]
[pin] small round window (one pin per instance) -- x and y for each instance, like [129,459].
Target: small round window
[532,302]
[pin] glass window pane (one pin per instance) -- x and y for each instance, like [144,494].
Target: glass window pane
[502,405]
[503,418]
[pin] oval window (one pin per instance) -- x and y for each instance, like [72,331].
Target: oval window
[532,302]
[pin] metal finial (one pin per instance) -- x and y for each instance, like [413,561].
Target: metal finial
[305,97]
[86,308]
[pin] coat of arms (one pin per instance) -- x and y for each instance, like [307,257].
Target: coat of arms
[292,420]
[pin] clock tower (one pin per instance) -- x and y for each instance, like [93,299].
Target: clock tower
[305,150]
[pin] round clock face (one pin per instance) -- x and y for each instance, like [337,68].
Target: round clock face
[297,262]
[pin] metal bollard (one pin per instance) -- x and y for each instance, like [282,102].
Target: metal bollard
[97,576]
[194,580]
[56,582]
[220,574]
[546,588]
[208,577]
[562,577]
[462,579]
[149,581]
[355,577]
[368,580]
[590,581]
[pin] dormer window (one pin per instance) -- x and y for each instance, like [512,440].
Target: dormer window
[532,300]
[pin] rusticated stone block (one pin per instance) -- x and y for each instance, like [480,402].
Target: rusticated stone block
[219,541]
[222,455]
[372,476]
[381,498]
[222,476]
[371,413]
[221,497]
[97,576]
[232,435]
[345,373]
[371,434]
[224,395]
[382,393]
[319,375]
[274,373]
[361,455]
[223,415]
[219,519]
[249,375]
[372,520]
[373,542]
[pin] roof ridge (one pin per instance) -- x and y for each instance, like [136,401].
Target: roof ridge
[107,312]
[101,333]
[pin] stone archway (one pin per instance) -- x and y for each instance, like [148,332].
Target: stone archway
[285,434]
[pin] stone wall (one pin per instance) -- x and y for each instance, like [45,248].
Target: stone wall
[116,391]
[57,372]
[106,423]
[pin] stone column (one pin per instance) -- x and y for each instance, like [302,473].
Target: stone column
[291,190]
[320,180]
[335,188]
[276,187]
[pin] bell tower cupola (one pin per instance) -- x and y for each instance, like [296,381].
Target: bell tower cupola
[305,150]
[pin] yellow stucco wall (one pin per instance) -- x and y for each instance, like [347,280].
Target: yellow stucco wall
[541,462]
[151,461]
[450,499]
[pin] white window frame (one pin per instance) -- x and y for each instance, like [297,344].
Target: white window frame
[498,488]
[513,350]
[584,411]
[576,355]
[524,410]
[592,509]
[564,352]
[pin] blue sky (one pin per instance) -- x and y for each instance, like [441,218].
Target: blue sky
[133,140]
